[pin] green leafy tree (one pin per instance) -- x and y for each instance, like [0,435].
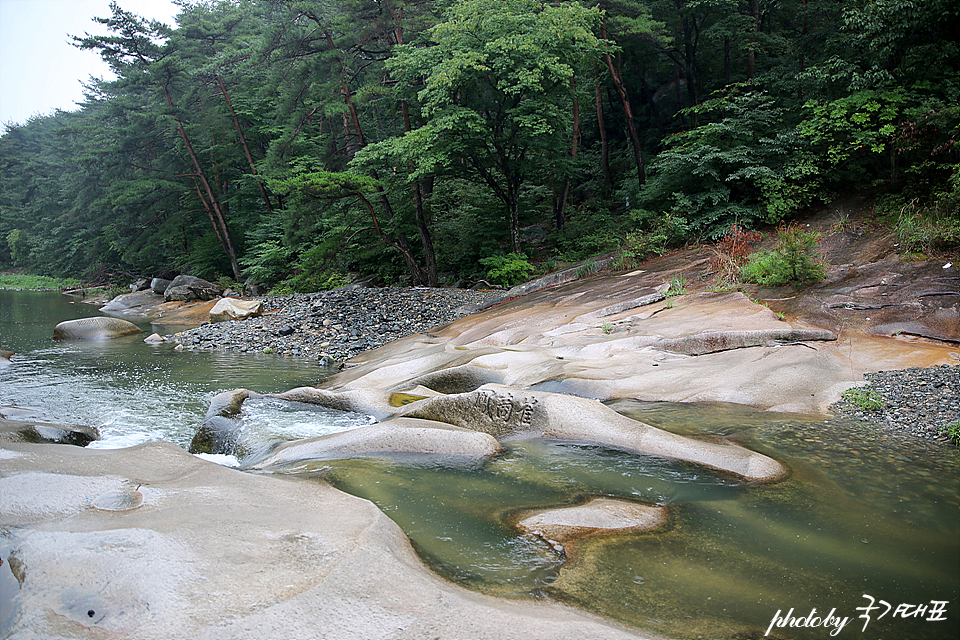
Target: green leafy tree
[493,86]
[744,165]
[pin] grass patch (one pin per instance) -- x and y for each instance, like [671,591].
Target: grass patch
[678,287]
[36,283]
[587,269]
[952,431]
[863,398]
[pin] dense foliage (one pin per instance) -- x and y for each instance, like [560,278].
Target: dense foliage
[292,141]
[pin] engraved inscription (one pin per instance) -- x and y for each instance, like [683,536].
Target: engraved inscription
[504,410]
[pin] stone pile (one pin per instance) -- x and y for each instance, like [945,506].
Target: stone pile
[339,324]
[918,401]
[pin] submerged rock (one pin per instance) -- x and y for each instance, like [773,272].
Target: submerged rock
[598,516]
[94,329]
[508,412]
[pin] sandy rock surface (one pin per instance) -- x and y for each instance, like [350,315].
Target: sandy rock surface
[215,553]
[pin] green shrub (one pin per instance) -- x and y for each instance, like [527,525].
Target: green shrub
[793,261]
[508,270]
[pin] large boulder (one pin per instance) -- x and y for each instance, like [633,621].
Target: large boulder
[186,288]
[131,304]
[159,285]
[264,557]
[98,328]
[233,309]
[5,357]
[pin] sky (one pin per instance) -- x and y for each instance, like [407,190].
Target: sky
[40,71]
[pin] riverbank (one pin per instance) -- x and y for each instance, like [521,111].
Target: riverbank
[918,401]
[340,324]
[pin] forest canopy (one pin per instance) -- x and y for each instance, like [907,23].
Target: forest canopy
[290,142]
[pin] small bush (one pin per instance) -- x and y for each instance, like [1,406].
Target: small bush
[508,270]
[308,282]
[793,261]
[732,253]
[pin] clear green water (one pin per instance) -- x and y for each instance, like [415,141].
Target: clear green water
[862,512]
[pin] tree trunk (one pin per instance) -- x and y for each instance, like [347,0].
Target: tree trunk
[647,96]
[628,112]
[751,52]
[726,60]
[423,229]
[426,242]
[218,219]
[515,218]
[803,43]
[357,142]
[565,192]
[604,143]
[246,147]
[404,251]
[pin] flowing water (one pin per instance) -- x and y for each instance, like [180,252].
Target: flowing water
[864,514]
[134,392]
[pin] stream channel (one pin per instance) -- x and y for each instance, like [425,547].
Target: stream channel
[864,514]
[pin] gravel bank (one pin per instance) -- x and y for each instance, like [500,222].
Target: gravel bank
[915,401]
[339,324]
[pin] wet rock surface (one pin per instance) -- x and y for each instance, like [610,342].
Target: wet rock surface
[599,515]
[340,323]
[916,401]
[94,328]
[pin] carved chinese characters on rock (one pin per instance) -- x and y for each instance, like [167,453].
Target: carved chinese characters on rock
[505,411]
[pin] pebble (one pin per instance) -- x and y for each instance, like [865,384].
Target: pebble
[916,401]
[338,324]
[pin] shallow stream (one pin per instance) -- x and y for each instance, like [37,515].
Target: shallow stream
[863,513]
